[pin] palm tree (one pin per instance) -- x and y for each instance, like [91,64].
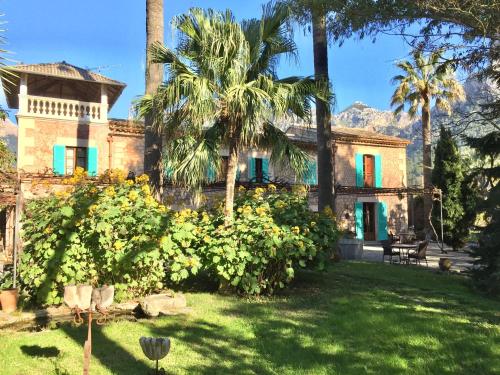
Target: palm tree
[424,79]
[154,78]
[222,91]
[323,116]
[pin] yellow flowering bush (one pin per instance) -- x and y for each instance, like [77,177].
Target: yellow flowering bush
[119,234]
[271,235]
[97,235]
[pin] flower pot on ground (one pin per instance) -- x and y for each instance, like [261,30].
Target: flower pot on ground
[350,248]
[444,264]
[8,294]
[8,299]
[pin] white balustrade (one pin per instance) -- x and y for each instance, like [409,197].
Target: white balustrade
[65,109]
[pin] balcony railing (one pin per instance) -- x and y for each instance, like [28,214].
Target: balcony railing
[64,109]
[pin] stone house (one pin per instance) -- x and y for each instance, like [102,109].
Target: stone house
[63,123]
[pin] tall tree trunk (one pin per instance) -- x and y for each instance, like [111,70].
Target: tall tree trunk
[323,115]
[154,77]
[232,168]
[427,158]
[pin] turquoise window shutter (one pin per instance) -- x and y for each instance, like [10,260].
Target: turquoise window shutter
[168,173]
[238,173]
[251,168]
[59,156]
[211,173]
[378,171]
[359,171]
[310,178]
[265,169]
[92,161]
[358,217]
[382,221]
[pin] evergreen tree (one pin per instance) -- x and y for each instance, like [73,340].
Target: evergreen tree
[486,272]
[447,175]
[470,191]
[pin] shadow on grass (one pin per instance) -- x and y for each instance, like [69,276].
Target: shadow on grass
[38,351]
[338,322]
[108,351]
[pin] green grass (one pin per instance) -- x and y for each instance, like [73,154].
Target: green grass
[358,318]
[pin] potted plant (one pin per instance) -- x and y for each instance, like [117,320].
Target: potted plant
[350,247]
[8,294]
[444,264]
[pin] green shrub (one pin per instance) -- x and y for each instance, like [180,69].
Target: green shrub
[120,235]
[272,235]
[95,236]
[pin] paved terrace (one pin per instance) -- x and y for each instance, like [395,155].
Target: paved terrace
[460,260]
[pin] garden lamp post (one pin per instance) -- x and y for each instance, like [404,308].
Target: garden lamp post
[83,298]
[155,348]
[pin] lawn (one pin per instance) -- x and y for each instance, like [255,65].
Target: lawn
[357,318]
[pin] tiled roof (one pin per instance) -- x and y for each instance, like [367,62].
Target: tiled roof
[64,70]
[126,126]
[308,135]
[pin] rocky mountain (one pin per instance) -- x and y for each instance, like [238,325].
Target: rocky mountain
[8,133]
[360,115]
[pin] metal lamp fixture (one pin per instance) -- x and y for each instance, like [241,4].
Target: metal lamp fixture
[155,348]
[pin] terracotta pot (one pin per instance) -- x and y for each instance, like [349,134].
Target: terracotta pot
[444,264]
[8,299]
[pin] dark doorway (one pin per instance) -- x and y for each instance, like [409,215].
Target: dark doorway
[369,221]
[259,172]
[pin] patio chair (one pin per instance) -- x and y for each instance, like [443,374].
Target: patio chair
[389,251]
[394,237]
[420,254]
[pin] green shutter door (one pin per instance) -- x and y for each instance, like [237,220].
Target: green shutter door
[58,163]
[238,173]
[251,168]
[378,171]
[92,161]
[211,174]
[265,169]
[359,171]
[168,173]
[310,177]
[358,217]
[382,221]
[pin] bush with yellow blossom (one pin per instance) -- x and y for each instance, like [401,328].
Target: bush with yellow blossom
[273,234]
[94,234]
[119,234]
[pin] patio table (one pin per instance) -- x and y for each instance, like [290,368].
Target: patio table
[405,237]
[405,250]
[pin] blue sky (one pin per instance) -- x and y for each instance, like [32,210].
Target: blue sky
[111,34]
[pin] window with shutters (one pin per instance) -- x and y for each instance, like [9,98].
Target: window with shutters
[369,170]
[76,157]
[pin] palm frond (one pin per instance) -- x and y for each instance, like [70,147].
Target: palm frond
[284,153]
[189,158]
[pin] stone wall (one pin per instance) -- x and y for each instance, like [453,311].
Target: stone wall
[37,137]
[128,152]
[393,163]
[397,211]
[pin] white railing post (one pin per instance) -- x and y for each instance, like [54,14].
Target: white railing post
[64,109]
[104,103]
[23,94]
